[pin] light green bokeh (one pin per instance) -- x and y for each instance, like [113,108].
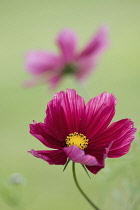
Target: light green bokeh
[27,25]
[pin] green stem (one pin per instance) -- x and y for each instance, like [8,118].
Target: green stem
[79,188]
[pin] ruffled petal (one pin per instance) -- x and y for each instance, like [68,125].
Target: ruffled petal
[79,156]
[120,133]
[55,121]
[39,62]
[67,41]
[97,44]
[123,138]
[53,157]
[74,107]
[64,113]
[99,113]
[38,131]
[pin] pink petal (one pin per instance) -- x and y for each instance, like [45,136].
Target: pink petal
[85,67]
[74,107]
[55,121]
[38,62]
[120,133]
[54,80]
[123,140]
[56,157]
[97,44]
[100,153]
[79,156]
[64,113]
[95,169]
[67,41]
[38,131]
[98,115]
[36,80]
[88,58]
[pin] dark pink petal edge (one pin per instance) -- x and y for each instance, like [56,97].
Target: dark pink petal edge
[53,157]
[38,131]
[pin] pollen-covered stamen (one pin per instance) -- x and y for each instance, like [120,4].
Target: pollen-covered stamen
[77,139]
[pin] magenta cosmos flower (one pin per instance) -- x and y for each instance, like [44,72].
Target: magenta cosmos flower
[49,67]
[82,132]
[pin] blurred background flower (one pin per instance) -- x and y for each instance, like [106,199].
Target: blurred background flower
[32,25]
[50,68]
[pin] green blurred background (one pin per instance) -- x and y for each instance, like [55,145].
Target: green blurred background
[27,25]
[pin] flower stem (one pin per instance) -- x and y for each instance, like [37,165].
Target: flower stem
[79,188]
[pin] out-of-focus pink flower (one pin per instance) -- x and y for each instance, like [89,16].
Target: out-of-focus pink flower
[82,132]
[49,67]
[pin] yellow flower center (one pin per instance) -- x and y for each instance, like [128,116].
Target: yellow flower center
[77,139]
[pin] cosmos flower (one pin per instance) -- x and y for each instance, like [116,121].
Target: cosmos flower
[82,132]
[50,68]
